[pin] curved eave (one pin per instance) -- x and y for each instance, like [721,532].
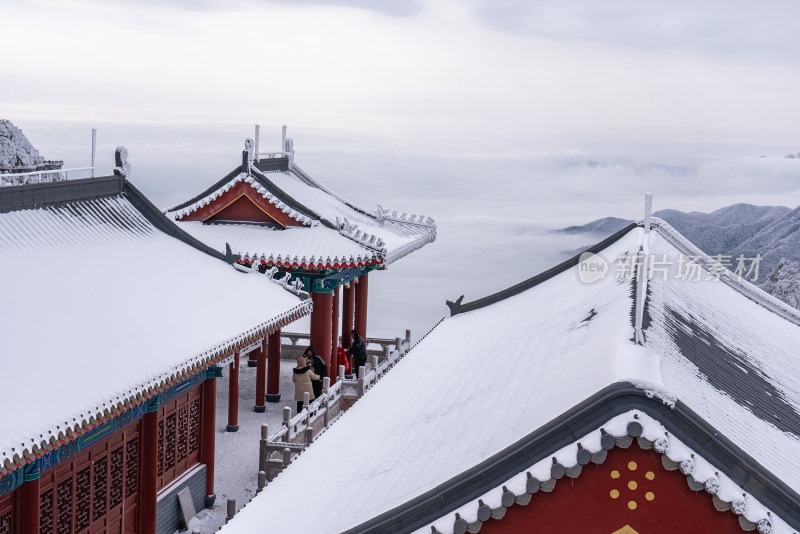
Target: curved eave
[394,255]
[90,418]
[614,400]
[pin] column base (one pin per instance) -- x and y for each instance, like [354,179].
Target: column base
[230,428]
[259,409]
[209,501]
[252,363]
[274,398]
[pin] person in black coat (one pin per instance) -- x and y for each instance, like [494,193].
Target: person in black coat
[318,366]
[358,350]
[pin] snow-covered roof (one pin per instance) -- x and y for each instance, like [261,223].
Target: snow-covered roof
[106,303]
[333,230]
[495,392]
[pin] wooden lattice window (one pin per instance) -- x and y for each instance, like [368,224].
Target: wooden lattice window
[160,448]
[6,522]
[169,450]
[64,507]
[194,426]
[183,433]
[117,475]
[100,487]
[83,498]
[179,435]
[46,511]
[131,467]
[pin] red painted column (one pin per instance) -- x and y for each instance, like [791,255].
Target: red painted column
[321,325]
[348,307]
[208,434]
[361,305]
[233,395]
[261,377]
[148,469]
[29,505]
[333,370]
[274,366]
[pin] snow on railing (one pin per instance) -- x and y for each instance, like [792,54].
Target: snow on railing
[270,155]
[58,175]
[296,433]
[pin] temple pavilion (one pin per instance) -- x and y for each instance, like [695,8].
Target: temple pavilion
[282,221]
[112,335]
[637,400]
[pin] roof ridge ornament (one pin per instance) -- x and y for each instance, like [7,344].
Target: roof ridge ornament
[248,156]
[287,144]
[382,214]
[123,167]
[642,271]
[455,307]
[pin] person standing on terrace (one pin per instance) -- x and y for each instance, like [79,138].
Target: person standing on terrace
[302,375]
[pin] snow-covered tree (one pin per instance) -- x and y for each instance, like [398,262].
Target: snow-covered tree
[15,149]
[784,282]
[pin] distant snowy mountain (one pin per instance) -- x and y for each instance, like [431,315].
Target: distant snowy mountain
[776,241]
[771,231]
[606,225]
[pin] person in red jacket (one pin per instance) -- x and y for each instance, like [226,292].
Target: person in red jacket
[342,359]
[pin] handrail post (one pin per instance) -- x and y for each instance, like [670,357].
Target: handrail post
[326,386]
[231,509]
[287,414]
[262,448]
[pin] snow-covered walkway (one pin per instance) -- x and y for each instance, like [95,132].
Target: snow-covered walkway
[236,471]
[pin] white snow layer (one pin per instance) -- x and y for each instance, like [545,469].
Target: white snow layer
[99,305]
[482,380]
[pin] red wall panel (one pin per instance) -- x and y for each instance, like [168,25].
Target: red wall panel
[241,203]
[630,489]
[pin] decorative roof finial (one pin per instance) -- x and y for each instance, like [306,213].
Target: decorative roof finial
[249,145]
[123,168]
[642,272]
[648,208]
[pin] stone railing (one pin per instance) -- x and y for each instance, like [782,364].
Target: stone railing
[49,171]
[276,451]
[293,344]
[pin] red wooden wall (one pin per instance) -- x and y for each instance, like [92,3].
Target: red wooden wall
[96,491]
[630,490]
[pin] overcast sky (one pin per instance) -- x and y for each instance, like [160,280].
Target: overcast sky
[500,118]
